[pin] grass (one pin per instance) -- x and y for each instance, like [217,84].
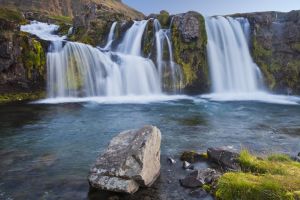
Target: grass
[11,15]
[23,96]
[274,177]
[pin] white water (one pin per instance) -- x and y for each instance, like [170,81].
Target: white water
[232,68]
[110,38]
[235,76]
[79,70]
[170,68]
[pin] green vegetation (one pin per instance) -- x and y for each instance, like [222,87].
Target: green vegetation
[193,156]
[23,96]
[164,19]
[275,177]
[11,15]
[191,56]
[61,19]
[33,56]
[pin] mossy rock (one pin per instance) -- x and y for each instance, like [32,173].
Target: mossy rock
[193,156]
[164,19]
[33,57]
[191,55]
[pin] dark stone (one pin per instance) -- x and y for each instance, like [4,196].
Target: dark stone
[200,177]
[199,193]
[225,158]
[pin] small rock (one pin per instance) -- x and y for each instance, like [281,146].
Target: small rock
[200,177]
[299,154]
[187,165]
[171,161]
[225,158]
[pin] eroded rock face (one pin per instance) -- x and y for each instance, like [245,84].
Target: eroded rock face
[131,160]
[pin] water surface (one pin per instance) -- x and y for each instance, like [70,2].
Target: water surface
[46,150]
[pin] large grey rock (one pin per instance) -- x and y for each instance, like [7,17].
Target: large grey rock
[131,160]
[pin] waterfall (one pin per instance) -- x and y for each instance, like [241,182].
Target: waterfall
[231,66]
[132,43]
[110,38]
[80,70]
[170,68]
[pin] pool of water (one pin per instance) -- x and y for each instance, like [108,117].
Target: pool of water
[46,150]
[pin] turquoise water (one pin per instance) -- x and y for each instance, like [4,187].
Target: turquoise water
[46,150]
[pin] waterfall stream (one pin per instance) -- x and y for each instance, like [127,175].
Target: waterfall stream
[232,68]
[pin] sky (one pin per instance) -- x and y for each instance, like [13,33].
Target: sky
[213,7]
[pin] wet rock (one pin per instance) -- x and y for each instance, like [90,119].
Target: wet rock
[171,161]
[131,160]
[299,154]
[200,177]
[192,156]
[225,158]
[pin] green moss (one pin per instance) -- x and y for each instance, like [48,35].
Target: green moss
[164,19]
[263,58]
[148,39]
[61,19]
[193,156]
[191,56]
[245,186]
[33,57]
[296,46]
[206,187]
[63,28]
[11,15]
[276,177]
[30,96]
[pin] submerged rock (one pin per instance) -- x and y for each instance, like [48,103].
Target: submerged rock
[187,165]
[225,158]
[131,160]
[199,178]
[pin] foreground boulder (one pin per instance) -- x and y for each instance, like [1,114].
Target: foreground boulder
[131,160]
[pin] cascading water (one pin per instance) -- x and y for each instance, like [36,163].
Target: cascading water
[110,38]
[79,70]
[232,68]
[173,71]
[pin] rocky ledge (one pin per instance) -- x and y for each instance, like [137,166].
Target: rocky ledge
[131,160]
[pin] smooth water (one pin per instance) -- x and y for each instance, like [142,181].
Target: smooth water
[46,150]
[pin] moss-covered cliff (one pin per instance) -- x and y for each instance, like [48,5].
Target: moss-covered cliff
[22,59]
[189,43]
[275,39]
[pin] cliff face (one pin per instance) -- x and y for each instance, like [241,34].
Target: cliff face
[275,48]
[22,58]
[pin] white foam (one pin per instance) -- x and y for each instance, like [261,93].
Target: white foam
[130,99]
[257,96]
[42,30]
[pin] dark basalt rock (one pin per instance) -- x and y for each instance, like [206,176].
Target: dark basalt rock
[225,158]
[200,177]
